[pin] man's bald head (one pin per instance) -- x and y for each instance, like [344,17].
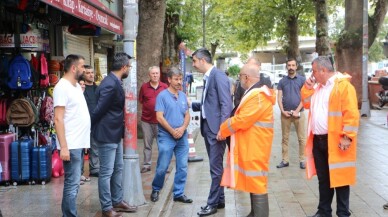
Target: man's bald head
[253,60]
[249,75]
[252,70]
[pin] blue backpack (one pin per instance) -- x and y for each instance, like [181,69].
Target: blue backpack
[19,74]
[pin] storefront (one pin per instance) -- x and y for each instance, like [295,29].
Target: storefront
[41,33]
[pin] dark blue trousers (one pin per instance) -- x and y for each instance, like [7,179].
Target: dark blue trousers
[321,157]
[215,151]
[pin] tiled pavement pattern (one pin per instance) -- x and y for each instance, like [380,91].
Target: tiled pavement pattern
[290,194]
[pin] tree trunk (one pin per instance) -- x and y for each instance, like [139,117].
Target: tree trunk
[322,45]
[376,20]
[293,41]
[149,38]
[170,41]
[349,45]
[213,48]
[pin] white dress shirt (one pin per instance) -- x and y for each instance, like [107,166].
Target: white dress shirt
[206,78]
[320,107]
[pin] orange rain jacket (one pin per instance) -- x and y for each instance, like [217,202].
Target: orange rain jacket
[343,120]
[251,131]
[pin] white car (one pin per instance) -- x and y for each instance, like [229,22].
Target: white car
[274,76]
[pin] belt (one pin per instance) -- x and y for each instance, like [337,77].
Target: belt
[320,137]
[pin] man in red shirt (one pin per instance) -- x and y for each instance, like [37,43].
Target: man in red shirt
[149,125]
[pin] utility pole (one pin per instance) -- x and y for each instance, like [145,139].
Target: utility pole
[132,184]
[365,106]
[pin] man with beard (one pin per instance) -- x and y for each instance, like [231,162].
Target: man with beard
[215,108]
[108,129]
[90,96]
[291,107]
[172,113]
[72,124]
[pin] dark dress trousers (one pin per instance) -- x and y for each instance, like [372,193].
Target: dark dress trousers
[217,106]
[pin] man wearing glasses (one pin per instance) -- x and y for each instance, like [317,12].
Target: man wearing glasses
[108,130]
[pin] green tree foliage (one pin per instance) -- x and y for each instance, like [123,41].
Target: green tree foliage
[234,70]
[242,25]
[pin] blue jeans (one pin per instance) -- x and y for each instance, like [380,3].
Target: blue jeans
[71,184]
[111,174]
[167,145]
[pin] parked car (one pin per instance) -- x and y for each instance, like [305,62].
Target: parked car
[274,76]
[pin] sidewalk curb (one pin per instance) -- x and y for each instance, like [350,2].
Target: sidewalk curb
[163,206]
[160,206]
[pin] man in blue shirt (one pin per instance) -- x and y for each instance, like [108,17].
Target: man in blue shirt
[290,104]
[173,118]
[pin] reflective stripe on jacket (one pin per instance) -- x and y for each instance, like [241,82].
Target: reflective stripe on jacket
[343,119]
[251,131]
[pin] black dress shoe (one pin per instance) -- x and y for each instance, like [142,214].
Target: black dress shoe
[154,196]
[183,199]
[219,206]
[208,210]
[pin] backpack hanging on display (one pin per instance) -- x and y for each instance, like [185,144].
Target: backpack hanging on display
[47,110]
[19,74]
[44,77]
[34,62]
[3,111]
[20,113]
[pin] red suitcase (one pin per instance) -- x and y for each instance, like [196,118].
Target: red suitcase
[5,142]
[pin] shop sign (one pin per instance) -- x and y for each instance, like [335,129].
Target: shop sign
[7,40]
[29,40]
[89,13]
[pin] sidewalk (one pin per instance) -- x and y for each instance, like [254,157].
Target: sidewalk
[290,194]
[45,200]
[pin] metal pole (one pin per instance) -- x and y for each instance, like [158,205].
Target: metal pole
[365,106]
[132,184]
[203,23]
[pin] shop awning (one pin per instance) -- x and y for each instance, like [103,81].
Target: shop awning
[91,13]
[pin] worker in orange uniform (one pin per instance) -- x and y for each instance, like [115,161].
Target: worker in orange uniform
[332,135]
[251,132]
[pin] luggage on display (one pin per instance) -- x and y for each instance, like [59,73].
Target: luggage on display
[20,161]
[41,164]
[19,74]
[5,143]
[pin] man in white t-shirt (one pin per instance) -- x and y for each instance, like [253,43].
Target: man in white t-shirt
[72,124]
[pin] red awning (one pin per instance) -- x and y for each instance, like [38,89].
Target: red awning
[89,13]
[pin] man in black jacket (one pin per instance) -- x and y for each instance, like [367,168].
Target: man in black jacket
[90,97]
[108,127]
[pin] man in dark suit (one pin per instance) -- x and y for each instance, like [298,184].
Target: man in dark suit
[215,107]
[108,126]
